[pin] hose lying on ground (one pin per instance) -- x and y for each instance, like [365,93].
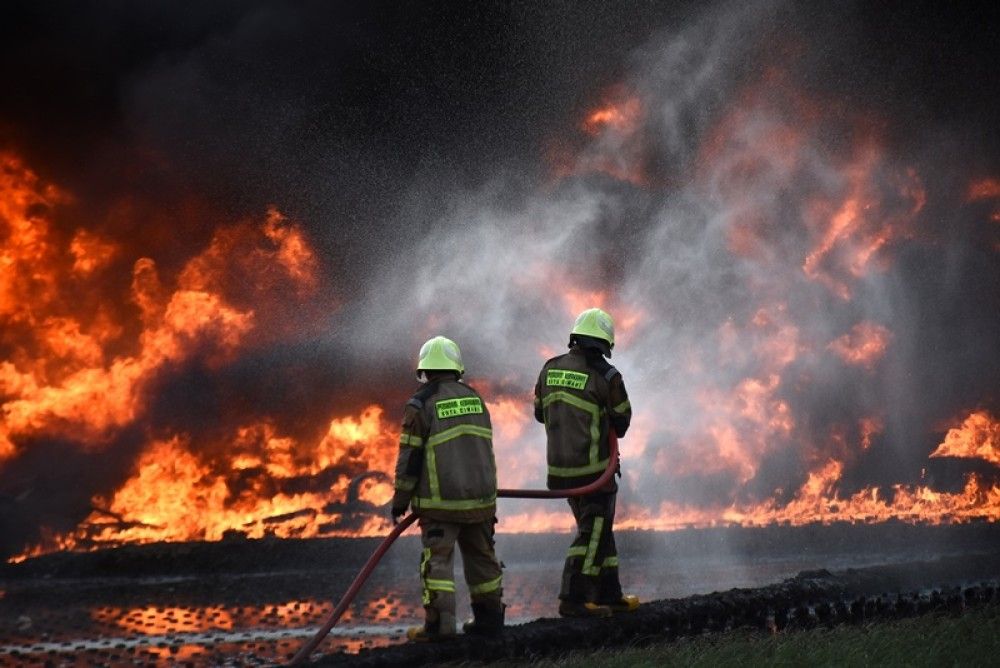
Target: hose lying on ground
[405,523]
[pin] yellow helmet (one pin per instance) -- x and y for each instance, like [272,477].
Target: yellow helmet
[596,323]
[440,354]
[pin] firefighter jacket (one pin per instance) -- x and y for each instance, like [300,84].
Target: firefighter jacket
[446,470]
[580,396]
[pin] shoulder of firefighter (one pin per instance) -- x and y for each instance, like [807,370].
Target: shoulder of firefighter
[446,466]
[580,397]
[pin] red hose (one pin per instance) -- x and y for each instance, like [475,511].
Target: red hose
[405,523]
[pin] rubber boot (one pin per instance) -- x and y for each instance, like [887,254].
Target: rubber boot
[487,619]
[433,629]
[571,609]
[627,603]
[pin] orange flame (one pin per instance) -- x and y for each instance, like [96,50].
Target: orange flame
[853,235]
[174,495]
[626,316]
[978,437]
[621,117]
[615,149]
[987,188]
[863,346]
[63,375]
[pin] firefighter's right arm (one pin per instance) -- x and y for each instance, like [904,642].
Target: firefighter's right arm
[619,407]
[410,460]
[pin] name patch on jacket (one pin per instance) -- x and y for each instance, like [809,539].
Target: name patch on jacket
[566,378]
[455,407]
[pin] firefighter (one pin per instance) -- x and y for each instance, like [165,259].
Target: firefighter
[446,471]
[580,397]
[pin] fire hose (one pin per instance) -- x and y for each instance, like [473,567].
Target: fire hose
[405,523]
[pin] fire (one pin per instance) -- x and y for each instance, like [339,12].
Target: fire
[84,371]
[174,495]
[90,252]
[863,346]
[818,501]
[63,375]
[790,213]
[627,317]
[539,520]
[985,189]
[853,235]
[621,117]
[869,428]
[615,145]
[988,188]
[767,143]
[978,437]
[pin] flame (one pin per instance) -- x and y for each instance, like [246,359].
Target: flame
[90,252]
[767,141]
[818,501]
[514,423]
[619,117]
[63,376]
[852,236]
[863,346]
[174,495]
[870,427]
[615,148]
[978,437]
[988,188]
[627,317]
[983,189]
[84,357]
[537,520]
[83,371]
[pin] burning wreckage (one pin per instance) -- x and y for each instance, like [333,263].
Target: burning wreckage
[808,314]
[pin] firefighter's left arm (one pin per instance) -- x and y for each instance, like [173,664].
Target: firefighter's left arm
[410,460]
[619,407]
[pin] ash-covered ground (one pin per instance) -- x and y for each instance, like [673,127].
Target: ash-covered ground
[255,602]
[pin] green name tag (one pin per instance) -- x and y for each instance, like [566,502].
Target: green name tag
[564,378]
[455,407]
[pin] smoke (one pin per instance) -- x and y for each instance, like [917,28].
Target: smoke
[773,203]
[786,263]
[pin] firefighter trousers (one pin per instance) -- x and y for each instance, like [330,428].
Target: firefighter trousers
[482,570]
[591,570]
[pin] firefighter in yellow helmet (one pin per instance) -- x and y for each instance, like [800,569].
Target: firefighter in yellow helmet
[447,473]
[580,397]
